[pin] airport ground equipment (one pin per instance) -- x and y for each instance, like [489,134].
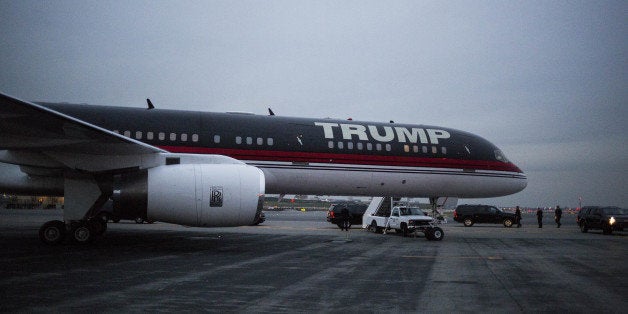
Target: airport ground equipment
[382,216]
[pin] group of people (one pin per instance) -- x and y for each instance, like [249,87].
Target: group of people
[558,213]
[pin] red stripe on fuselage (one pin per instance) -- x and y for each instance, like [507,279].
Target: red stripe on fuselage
[354,159]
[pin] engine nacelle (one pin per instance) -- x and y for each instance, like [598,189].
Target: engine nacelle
[199,195]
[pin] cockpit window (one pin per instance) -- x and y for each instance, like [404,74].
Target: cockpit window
[500,156]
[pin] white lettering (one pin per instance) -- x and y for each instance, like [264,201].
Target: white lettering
[389,136]
[354,129]
[413,135]
[327,128]
[404,135]
[436,134]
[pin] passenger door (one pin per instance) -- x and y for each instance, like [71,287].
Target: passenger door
[394,218]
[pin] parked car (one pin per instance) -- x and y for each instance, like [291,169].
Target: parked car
[608,219]
[472,214]
[356,211]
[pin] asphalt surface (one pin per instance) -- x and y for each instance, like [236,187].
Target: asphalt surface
[297,262]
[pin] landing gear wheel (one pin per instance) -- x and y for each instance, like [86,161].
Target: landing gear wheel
[436,234]
[52,232]
[139,220]
[584,228]
[83,232]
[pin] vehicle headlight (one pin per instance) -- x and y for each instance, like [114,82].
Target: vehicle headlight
[611,221]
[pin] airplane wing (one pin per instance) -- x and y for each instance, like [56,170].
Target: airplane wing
[35,136]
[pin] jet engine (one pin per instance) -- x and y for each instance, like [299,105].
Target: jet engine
[199,195]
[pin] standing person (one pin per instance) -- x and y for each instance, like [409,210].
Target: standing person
[557,214]
[539,217]
[346,219]
[518,217]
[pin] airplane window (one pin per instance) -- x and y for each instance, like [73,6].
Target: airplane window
[434,150]
[127,133]
[350,145]
[194,137]
[116,131]
[330,144]
[270,141]
[415,148]
[138,135]
[388,148]
[424,149]
[162,136]
[238,140]
[406,148]
[173,136]
[369,146]
[340,145]
[360,146]
[260,141]
[216,139]
[444,150]
[378,146]
[149,135]
[184,137]
[249,140]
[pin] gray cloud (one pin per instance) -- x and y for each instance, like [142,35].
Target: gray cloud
[543,80]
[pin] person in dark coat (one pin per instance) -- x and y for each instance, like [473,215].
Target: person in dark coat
[539,217]
[518,217]
[557,215]
[346,219]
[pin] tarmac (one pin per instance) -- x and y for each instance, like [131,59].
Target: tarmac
[297,262]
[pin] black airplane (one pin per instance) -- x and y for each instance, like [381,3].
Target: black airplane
[213,169]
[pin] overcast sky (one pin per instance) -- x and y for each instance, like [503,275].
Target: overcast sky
[546,81]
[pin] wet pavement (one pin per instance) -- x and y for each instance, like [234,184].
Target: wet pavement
[298,262]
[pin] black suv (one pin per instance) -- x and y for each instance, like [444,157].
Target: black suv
[471,214]
[356,211]
[608,219]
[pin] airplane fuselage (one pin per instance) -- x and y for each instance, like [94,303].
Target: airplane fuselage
[324,156]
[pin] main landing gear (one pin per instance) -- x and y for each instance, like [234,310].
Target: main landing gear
[82,231]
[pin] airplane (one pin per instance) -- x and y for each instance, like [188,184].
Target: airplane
[209,169]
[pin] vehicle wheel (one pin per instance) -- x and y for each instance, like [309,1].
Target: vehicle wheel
[139,220]
[436,234]
[607,230]
[52,232]
[507,223]
[583,227]
[375,228]
[468,222]
[82,233]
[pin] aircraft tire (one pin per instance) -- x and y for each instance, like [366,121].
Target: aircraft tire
[52,232]
[83,232]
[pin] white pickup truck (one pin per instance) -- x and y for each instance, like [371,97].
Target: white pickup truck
[405,220]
